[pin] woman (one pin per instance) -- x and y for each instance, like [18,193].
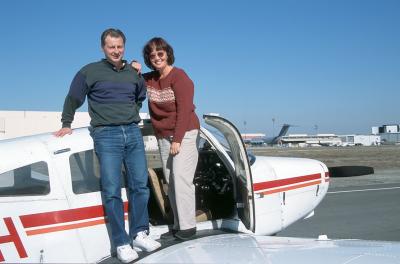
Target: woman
[176,125]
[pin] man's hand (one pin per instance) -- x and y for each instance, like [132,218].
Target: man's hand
[175,147]
[63,131]
[137,66]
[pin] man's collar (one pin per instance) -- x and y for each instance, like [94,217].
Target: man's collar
[124,63]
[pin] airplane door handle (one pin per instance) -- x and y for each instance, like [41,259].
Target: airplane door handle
[61,151]
[284,198]
[258,195]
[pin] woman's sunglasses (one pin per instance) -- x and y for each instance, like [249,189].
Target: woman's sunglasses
[159,54]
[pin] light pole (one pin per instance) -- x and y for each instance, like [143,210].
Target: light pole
[316,129]
[273,126]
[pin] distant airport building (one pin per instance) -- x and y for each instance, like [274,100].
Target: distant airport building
[253,138]
[25,123]
[375,130]
[303,140]
[390,138]
[250,136]
[386,129]
[389,134]
[360,140]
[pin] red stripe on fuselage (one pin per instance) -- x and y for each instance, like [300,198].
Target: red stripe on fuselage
[289,188]
[283,182]
[64,216]
[13,237]
[85,213]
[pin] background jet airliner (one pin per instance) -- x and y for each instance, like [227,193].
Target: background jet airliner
[51,206]
[270,140]
[276,140]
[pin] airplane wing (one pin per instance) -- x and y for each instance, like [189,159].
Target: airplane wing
[244,248]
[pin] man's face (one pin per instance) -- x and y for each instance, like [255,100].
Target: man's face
[114,49]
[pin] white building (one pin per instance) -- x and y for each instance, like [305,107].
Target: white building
[389,134]
[25,123]
[375,130]
[302,140]
[392,128]
[360,140]
[250,136]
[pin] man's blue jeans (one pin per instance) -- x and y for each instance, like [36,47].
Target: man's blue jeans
[114,146]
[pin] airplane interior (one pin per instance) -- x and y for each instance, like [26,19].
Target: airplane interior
[214,190]
[32,179]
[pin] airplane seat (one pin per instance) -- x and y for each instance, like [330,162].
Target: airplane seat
[203,215]
[24,184]
[160,190]
[160,194]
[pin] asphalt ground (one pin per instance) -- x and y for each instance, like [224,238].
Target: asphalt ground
[370,212]
[356,207]
[381,158]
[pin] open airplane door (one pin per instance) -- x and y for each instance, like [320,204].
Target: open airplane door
[238,154]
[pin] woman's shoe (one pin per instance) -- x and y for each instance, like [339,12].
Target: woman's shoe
[186,234]
[170,234]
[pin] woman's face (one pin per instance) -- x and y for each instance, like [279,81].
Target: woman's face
[158,59]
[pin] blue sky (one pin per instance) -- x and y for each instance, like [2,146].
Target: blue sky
[334,65]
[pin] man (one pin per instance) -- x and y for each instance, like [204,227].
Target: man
[115,94]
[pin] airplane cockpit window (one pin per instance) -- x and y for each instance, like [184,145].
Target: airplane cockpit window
[221,139]
[32,179]
[231,148]
[85,172]
[204,144]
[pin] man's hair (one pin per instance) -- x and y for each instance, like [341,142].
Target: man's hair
[157,43]
[112,32]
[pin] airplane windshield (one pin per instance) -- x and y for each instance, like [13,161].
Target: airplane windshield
[220,137]
[224,143]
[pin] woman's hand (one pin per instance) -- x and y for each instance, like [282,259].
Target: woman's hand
[175,148]
[137,66]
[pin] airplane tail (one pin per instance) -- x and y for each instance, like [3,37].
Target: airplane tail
[283,132]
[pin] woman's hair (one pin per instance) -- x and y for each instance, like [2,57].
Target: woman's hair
[158,43]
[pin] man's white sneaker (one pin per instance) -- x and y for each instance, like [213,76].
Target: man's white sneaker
[144,242]
[126,254]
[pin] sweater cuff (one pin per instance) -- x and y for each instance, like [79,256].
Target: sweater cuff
[178,138]
[66,124]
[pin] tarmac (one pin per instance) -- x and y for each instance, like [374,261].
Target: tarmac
[356,207]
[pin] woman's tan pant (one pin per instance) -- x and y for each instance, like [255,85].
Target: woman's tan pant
[179,173]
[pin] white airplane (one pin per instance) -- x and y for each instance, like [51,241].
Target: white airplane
[51,207]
